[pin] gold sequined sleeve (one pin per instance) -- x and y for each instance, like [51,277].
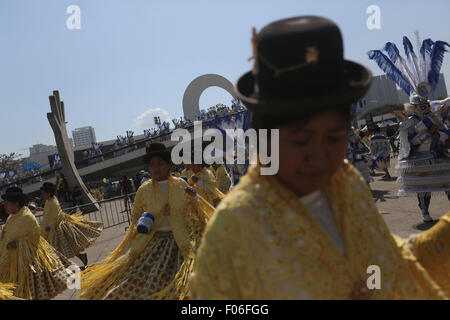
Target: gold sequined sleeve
[431,250]
[224,265]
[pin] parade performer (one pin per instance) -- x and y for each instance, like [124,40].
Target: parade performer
[312,231]
[187,168]
[222,177]
[424,157]
[69,234]
[356,156]
[157,254]
[27,260]
[381,152]
[96,193]
[204,183]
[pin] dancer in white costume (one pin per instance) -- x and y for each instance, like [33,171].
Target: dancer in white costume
[424,157]
[380,150]
[357,157]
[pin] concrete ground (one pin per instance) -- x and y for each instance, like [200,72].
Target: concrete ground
[107,242]
[401,214]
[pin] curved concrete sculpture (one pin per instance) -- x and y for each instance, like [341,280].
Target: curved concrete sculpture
[57,119]
[191,98]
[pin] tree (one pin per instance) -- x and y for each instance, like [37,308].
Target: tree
[10,161]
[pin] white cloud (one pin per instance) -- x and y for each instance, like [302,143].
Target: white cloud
[146,121]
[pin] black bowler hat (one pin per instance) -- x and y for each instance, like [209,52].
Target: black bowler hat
[48,187]
[14,194]
[299,65]
[157,150]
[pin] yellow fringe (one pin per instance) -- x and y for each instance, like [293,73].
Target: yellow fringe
[97,280]
[7,291]
[27,258]
[76,217]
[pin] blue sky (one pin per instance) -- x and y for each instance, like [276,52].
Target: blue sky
[135,55]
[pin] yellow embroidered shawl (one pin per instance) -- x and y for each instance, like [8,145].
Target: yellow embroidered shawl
[263,243]
[187,218]
[33,253]
[54,215]
[206,186]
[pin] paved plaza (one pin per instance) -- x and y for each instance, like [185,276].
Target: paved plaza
[402,215]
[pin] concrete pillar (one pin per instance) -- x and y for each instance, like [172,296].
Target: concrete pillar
[57,120]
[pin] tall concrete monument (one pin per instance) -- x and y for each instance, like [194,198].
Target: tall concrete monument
[57,119]
[191,98]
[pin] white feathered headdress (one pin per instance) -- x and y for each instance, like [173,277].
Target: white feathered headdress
[418,77]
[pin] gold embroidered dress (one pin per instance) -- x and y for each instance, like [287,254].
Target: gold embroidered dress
[207,186]
[154,265]
[263,243]
[36,269]
[69,234]
[223,179]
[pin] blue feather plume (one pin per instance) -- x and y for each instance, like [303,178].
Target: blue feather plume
[412,58]
[427,44]
[392,51]
[390,69]
[408,47]
[437,56]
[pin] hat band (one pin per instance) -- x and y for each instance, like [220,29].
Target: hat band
[278,71]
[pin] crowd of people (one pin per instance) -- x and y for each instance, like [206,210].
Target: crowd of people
[22,178]
[311,231]
[370,150]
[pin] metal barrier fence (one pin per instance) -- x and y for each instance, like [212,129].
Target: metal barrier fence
[112,212]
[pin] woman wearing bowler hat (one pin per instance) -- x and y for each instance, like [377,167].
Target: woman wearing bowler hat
[69,234]
[204,181]
[27,261]
[312,230]
[157,254]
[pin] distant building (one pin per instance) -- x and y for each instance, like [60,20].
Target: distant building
[39,153]
[384,91]
[40,148]
[83,136]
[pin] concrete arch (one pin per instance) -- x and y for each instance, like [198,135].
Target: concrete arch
[194,90]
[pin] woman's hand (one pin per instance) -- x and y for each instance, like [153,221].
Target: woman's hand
[12,245]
